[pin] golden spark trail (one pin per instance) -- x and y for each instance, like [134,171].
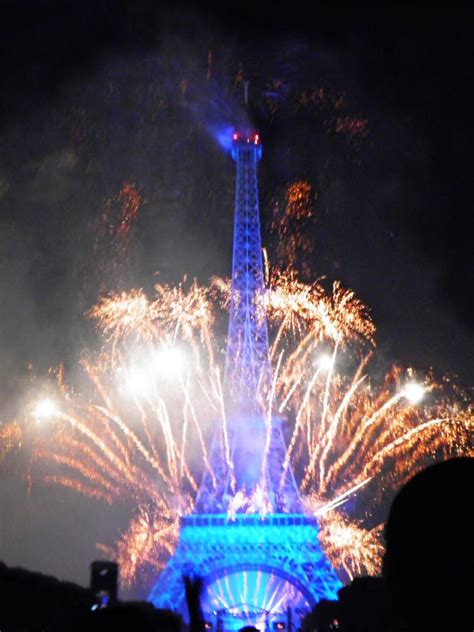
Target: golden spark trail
[331,434]
[342,498]
[326,438]
[268,419]
[201,439]
[297,427]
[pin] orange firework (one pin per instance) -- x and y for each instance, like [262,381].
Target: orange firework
[114,229]
[290,221]
[139,429]
[10,437]
[309,311]
[120,213]
[174,312]
[354,549]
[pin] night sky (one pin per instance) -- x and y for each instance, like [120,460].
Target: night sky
[373,108]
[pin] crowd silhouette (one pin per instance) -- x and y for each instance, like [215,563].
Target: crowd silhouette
[429,560]
[426,584]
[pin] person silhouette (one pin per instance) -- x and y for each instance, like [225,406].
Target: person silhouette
[429,563]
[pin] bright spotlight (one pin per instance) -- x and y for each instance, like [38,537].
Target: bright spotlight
[168,362]
[414,392]
[324,362]
[45,409]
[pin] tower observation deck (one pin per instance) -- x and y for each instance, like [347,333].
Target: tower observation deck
[248,538]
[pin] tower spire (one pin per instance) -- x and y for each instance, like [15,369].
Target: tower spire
[247,368]
[250,458]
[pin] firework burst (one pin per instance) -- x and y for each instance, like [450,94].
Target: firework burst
[138,430]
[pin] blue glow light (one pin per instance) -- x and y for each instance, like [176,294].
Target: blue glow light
[222,134]
[249,563]
[255,570]
[252,597]
[247,358]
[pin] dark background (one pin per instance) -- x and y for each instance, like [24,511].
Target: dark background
[97,93]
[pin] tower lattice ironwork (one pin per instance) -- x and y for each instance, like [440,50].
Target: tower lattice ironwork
[260,557]
[247,370]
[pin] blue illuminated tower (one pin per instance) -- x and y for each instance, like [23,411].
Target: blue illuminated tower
[247,361]
[259,557]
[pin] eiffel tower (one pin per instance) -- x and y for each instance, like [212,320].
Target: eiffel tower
[248,538]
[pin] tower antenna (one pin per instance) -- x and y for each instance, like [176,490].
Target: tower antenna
[246,91]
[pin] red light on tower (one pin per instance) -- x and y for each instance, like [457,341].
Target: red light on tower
[236,136]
